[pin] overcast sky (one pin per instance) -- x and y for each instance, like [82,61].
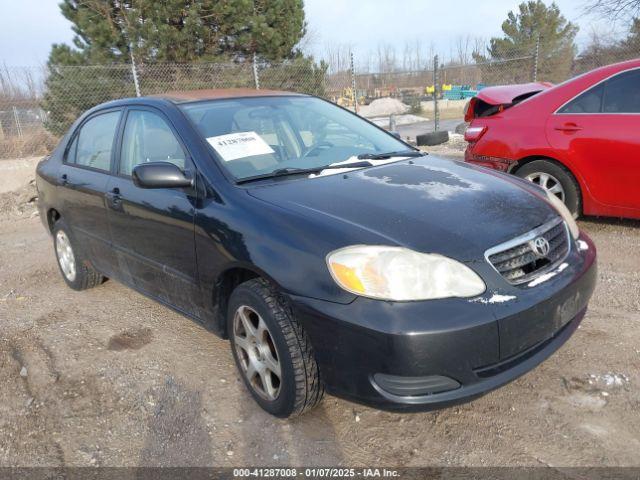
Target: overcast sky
[31,26]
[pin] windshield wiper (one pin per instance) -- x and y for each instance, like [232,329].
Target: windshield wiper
[283,172]
[384,156]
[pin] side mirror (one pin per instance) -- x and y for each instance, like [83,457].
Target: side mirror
[160,175]
[396,134]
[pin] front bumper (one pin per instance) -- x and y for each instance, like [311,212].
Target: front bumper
[477,343]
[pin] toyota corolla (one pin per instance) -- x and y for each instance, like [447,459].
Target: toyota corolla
[330,253]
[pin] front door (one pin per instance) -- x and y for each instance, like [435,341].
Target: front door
[152,230]
[83,177]
[600,131]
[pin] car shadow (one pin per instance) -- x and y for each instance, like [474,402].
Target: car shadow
[309,440]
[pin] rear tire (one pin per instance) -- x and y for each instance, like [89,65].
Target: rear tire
[555,179]
[275,338]
[76,269]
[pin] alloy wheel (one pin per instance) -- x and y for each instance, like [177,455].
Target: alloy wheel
[256,350]
[548,182]
[66,258]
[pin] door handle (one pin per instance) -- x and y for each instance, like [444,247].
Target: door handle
[113,198]
[64,179]
[568,127]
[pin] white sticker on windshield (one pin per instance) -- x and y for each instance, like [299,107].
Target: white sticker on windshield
[239,145]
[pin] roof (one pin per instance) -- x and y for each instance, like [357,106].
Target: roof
[217,93]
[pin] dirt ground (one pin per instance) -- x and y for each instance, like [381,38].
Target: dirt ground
[108,377]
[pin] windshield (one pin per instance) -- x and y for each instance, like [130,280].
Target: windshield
[259,135]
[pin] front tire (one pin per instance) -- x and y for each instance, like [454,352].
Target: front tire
[76,270]
[272,352]
[556,180]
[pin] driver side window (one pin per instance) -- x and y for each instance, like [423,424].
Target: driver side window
[148,138]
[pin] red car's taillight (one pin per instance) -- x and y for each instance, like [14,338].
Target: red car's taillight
[469,110]
[473,134]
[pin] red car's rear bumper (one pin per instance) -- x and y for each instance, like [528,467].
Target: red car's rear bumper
[502,164]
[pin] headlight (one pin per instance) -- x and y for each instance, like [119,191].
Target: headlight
[400,274]
[565,214]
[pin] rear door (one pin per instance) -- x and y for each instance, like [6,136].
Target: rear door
[600,132]
[152,230]
[83,179]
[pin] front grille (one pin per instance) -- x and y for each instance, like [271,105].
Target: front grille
[517,260]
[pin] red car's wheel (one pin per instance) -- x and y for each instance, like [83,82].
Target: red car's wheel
[556,180]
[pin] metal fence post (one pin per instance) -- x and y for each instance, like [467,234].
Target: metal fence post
[535,59]
[256,75]
[16,118]
[134,71]
[353,84]
[436,112]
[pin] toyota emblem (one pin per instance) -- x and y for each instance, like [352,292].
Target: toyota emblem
[540,246]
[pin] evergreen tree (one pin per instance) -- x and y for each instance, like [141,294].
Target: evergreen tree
[112,32]
[535,26]
[181,31]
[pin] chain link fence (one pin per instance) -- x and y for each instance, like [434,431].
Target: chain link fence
[37,105]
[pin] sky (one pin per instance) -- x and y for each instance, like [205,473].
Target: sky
[31,26]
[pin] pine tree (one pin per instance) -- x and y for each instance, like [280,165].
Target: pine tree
[534,22]
[182,31]
[112,32]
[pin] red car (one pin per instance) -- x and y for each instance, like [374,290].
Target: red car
[580,139]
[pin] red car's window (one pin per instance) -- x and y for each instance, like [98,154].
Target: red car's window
[587,102]
[622,93]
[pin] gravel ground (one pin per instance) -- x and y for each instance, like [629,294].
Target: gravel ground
[108,377]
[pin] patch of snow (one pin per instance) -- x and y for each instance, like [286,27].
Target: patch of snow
[400,120]
[582,245]
[334,171]
[609,380]
[496,298]
[547,276]
[451,185]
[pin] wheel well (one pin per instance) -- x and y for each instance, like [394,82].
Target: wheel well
[52,217]
[523,161]
[225,285]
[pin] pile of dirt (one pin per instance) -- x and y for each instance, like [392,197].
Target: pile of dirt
[20,203]
[383,106]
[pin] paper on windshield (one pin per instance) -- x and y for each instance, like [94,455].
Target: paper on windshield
[234,146]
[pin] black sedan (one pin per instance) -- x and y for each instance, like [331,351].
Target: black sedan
[331,254]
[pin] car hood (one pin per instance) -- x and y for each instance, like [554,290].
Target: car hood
[507,94]
[427,204]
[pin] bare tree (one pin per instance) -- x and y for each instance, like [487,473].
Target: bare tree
[614,9]
[338,56]
[387,61]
